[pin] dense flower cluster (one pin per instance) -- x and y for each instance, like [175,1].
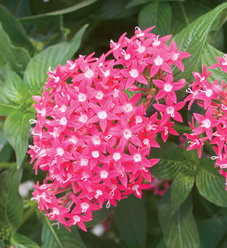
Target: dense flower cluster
[212,125]
[90,138]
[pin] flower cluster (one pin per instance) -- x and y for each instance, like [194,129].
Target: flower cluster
[212,125]
[90,138]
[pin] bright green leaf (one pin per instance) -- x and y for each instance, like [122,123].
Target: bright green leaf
[193,39]
[6,109]
[11,203]
[209,57]
[21,241]
[179,229]
[60,238]
[211,184]
[16,57]
[131,221]
[181,188]
[16,129]
[15,30]
[156,14]
[36,71]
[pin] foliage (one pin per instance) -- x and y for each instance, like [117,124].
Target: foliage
[36,35]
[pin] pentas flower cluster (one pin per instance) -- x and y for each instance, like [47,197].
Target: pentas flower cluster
[212,125]
[90,138]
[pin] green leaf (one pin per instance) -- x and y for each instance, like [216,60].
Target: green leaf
[16,57]
[172,161]
[14,90]
[36,71]
[134,3]
[156,14]
[211,184]
[209,57]
[21,241]
[60,238]
[6,153]
[33,19]
[181,188]
[211,232]
[131,221]
[179,229]
[6,109]
[15,30]
[16,129]
[11,203]
[193,39]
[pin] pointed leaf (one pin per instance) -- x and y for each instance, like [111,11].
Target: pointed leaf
[131,221]
[16,57]
[16,129]
[21,241]
[211,184]
[179,229]
[209,57]
[181,188]
[36,71]
[60,238]
[15,30]
[156,14]
[11,203]
[193,39]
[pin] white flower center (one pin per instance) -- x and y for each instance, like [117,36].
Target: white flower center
[55,211]
[141,49]
[102,114]
[83,118]
[83,162]
[137,157]
[175,56]
[98,193]
[95,154]
[116,156]
[127,134]
[96,140]
[133,73]
[89,74]
[103,174]
[156,42]
[63,121]
[168,87]
[73,139]
[84,206]
[128,107]
[60,151]
[82,97]
[206,123]
[63,108]
[146,142]
[138,119]
[99,95]
[158,61]
[43,112]
[170,111]
[76,219]
[209,92]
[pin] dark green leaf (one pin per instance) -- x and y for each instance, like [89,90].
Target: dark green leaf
[11,203]
[16,129]
[193,39]
[156,14]
[211,184]
[33,19]
[209,57]
[211,232]
[179,229]
[134,3]
[36,71]
[15,30]
[6,153]
[172,161]
[181,188]
[16,57]
[131,221]
[60,238]
[21,241]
